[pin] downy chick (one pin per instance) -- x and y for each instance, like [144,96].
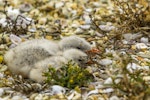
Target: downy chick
[36,73]
[75,55]
[57,62]
[74,42]
[20,58]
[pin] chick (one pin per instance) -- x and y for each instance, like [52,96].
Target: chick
[36,73]
[21,58]
[57,62]
[74,42]
[75,55]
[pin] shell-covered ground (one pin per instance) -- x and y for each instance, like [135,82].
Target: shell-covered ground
[119,29]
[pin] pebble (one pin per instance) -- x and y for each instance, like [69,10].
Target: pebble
[56,89]
[131,67]
[108,90]
[59,5]
[1,75]
[106,28]
[108,81]
[87,19]
[25,7]
[19,98]
[114,98]
[12,13]
[78,31]
[85,27]
[3,22]
[3,68]
[144,40]
[74,96]
[93,92]
[105,62]
[1,91]
[42,21]
[131,36]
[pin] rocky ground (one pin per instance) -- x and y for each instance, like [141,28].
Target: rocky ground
[118,28]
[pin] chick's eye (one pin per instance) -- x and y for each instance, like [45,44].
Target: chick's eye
[78,48]
[79,59]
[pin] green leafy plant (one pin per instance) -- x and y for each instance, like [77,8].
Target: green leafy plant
[69,75]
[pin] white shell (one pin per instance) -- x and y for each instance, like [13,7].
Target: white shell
[141,46]
[15,39]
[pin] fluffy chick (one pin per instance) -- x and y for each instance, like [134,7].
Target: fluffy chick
[20,58]
[36,73]
[75,55]
[74,42]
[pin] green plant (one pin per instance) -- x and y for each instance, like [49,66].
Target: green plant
[69,75]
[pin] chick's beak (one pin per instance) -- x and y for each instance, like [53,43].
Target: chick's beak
[93,51]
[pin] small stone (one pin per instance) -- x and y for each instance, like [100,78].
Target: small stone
[114,98]
[131,36]
[78,31]
[131,67]
[39,97]
[105,62]
[3,68]
[144,40]
[106,28]
[146,78]
[12,13]
[1,91]
[87,19]
[3,22]
[42,21]
[86,27]
[108,90]
[88,10]
[56,89]
[25,7]
[93,92]
[59,4]
[108,81]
